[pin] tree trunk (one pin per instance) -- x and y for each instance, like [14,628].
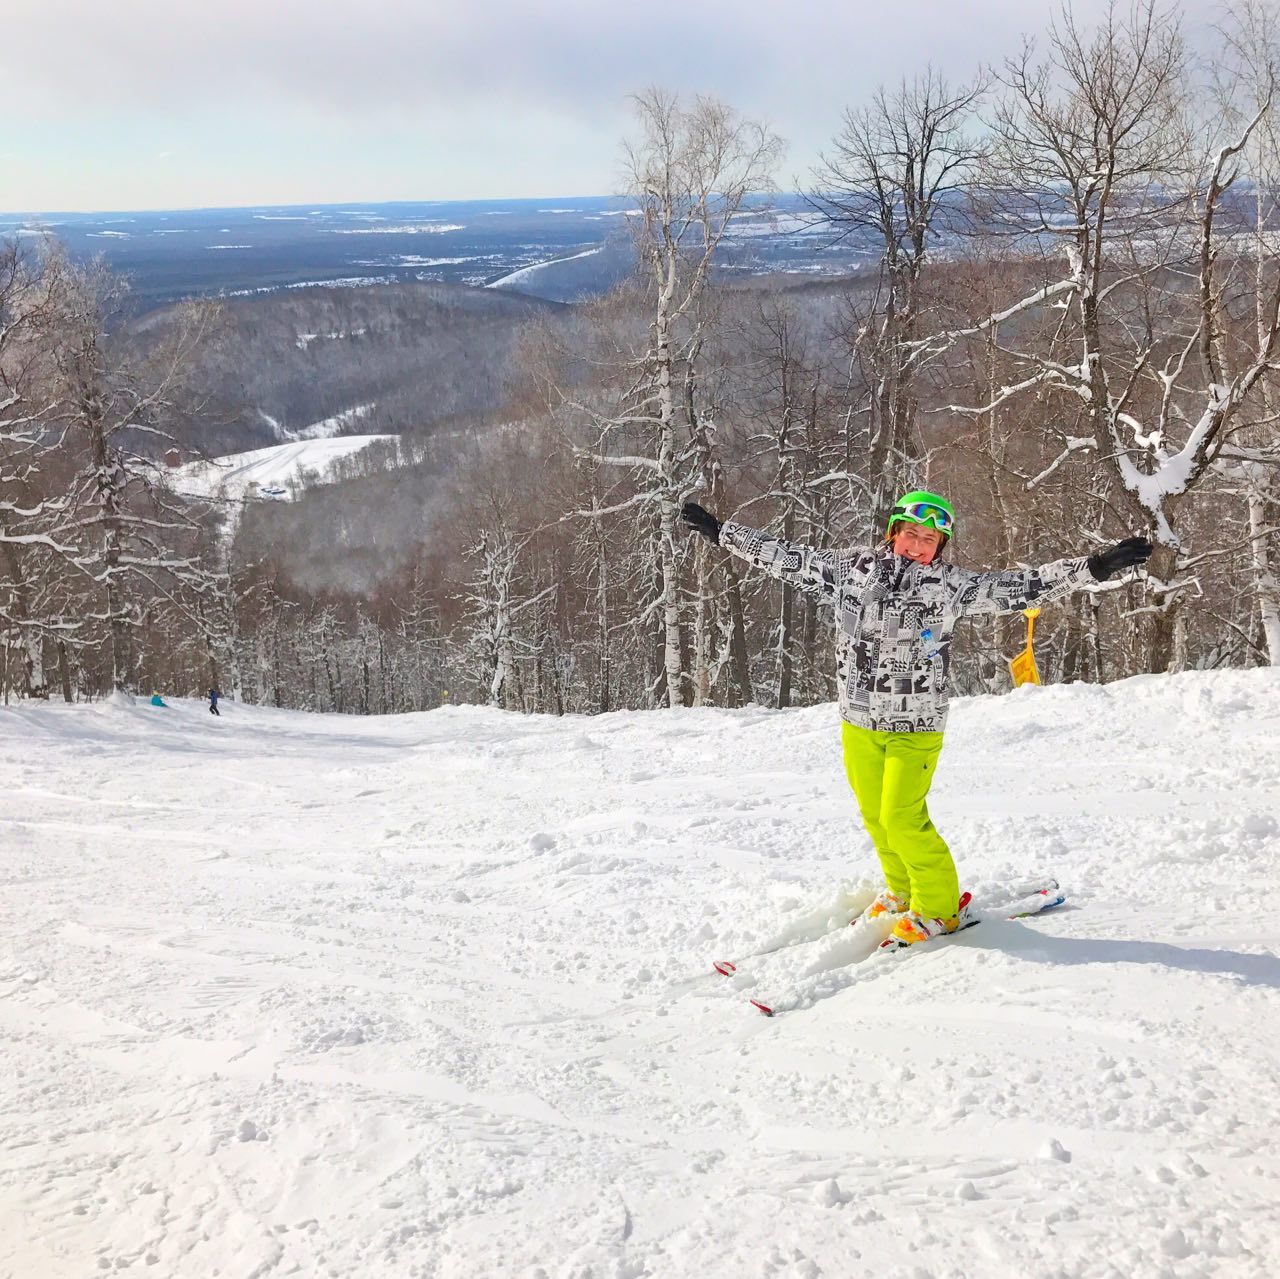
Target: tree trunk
[33,664]
[669,565]
[1264,579]
[703,619]
[1072,658]
[110,504]
[604,673]
[784,648]
[64,671]
[738,637]
[1163,646]
[657,680]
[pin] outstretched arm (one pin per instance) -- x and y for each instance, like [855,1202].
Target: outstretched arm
[813,572]
[1016,589]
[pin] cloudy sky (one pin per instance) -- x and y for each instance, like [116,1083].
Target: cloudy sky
[134,104]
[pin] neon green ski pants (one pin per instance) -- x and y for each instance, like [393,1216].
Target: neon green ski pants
[891,774]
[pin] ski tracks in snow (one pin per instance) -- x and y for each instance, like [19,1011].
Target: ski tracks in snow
[413,996]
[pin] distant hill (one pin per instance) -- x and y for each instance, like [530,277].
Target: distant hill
[579,245]
[266,472]
[331,361]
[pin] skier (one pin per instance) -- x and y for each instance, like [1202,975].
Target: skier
[157,700]
[896,607]
[213,703]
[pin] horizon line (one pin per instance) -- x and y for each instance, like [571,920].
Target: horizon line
[317,204]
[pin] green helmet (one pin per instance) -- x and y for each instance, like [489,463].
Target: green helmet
[924,508]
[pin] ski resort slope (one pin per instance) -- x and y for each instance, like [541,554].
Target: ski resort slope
[277,465]
[431,996]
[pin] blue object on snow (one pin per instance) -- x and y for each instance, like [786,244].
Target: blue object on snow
[157,700]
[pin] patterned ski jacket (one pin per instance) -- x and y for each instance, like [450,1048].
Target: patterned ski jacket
[896,617]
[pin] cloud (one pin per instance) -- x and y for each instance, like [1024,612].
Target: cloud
[478,97]
[404,56]
[392,55]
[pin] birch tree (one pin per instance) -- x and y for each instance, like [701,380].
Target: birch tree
[1097,176]
[1247,73]
[719,629]
[690,172]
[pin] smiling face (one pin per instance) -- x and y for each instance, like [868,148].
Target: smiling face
[919,542]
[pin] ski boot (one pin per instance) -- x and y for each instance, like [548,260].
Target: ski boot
[886,903]
[912,927]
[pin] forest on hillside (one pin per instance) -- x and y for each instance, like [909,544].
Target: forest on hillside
[1071,330]
[410,356]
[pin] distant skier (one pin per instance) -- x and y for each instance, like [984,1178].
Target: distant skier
[213,703]
[157,700]
[896,607]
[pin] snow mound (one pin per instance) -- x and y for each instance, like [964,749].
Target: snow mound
[431,994]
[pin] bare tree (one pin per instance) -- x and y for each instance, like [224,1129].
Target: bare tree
[690,172]
[139,540]
[36,543]
[784,388]
[1096,175]
[895,175]
[1246,73]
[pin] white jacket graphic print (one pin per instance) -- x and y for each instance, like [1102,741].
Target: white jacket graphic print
[896,617]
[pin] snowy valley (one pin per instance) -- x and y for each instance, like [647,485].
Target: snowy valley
[431,995]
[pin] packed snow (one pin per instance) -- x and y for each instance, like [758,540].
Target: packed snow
[238,475]
[431,995]
[526,273]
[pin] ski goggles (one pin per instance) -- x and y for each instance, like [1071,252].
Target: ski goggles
[924,513]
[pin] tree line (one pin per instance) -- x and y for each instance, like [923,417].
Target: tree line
[1070,329]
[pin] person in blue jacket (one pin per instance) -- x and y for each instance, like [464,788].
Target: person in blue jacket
[213,703]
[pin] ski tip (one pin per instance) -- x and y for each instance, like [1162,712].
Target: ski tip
[724,967]
[764,1008]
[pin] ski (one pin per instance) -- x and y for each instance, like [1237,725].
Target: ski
[1039,901]
[1043,899]
[1030,890]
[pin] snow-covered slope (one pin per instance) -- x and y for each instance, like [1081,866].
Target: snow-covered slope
[233,476]
[525,274]
[430,996]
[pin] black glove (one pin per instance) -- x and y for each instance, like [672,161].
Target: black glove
[1117,558]
[701,521]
